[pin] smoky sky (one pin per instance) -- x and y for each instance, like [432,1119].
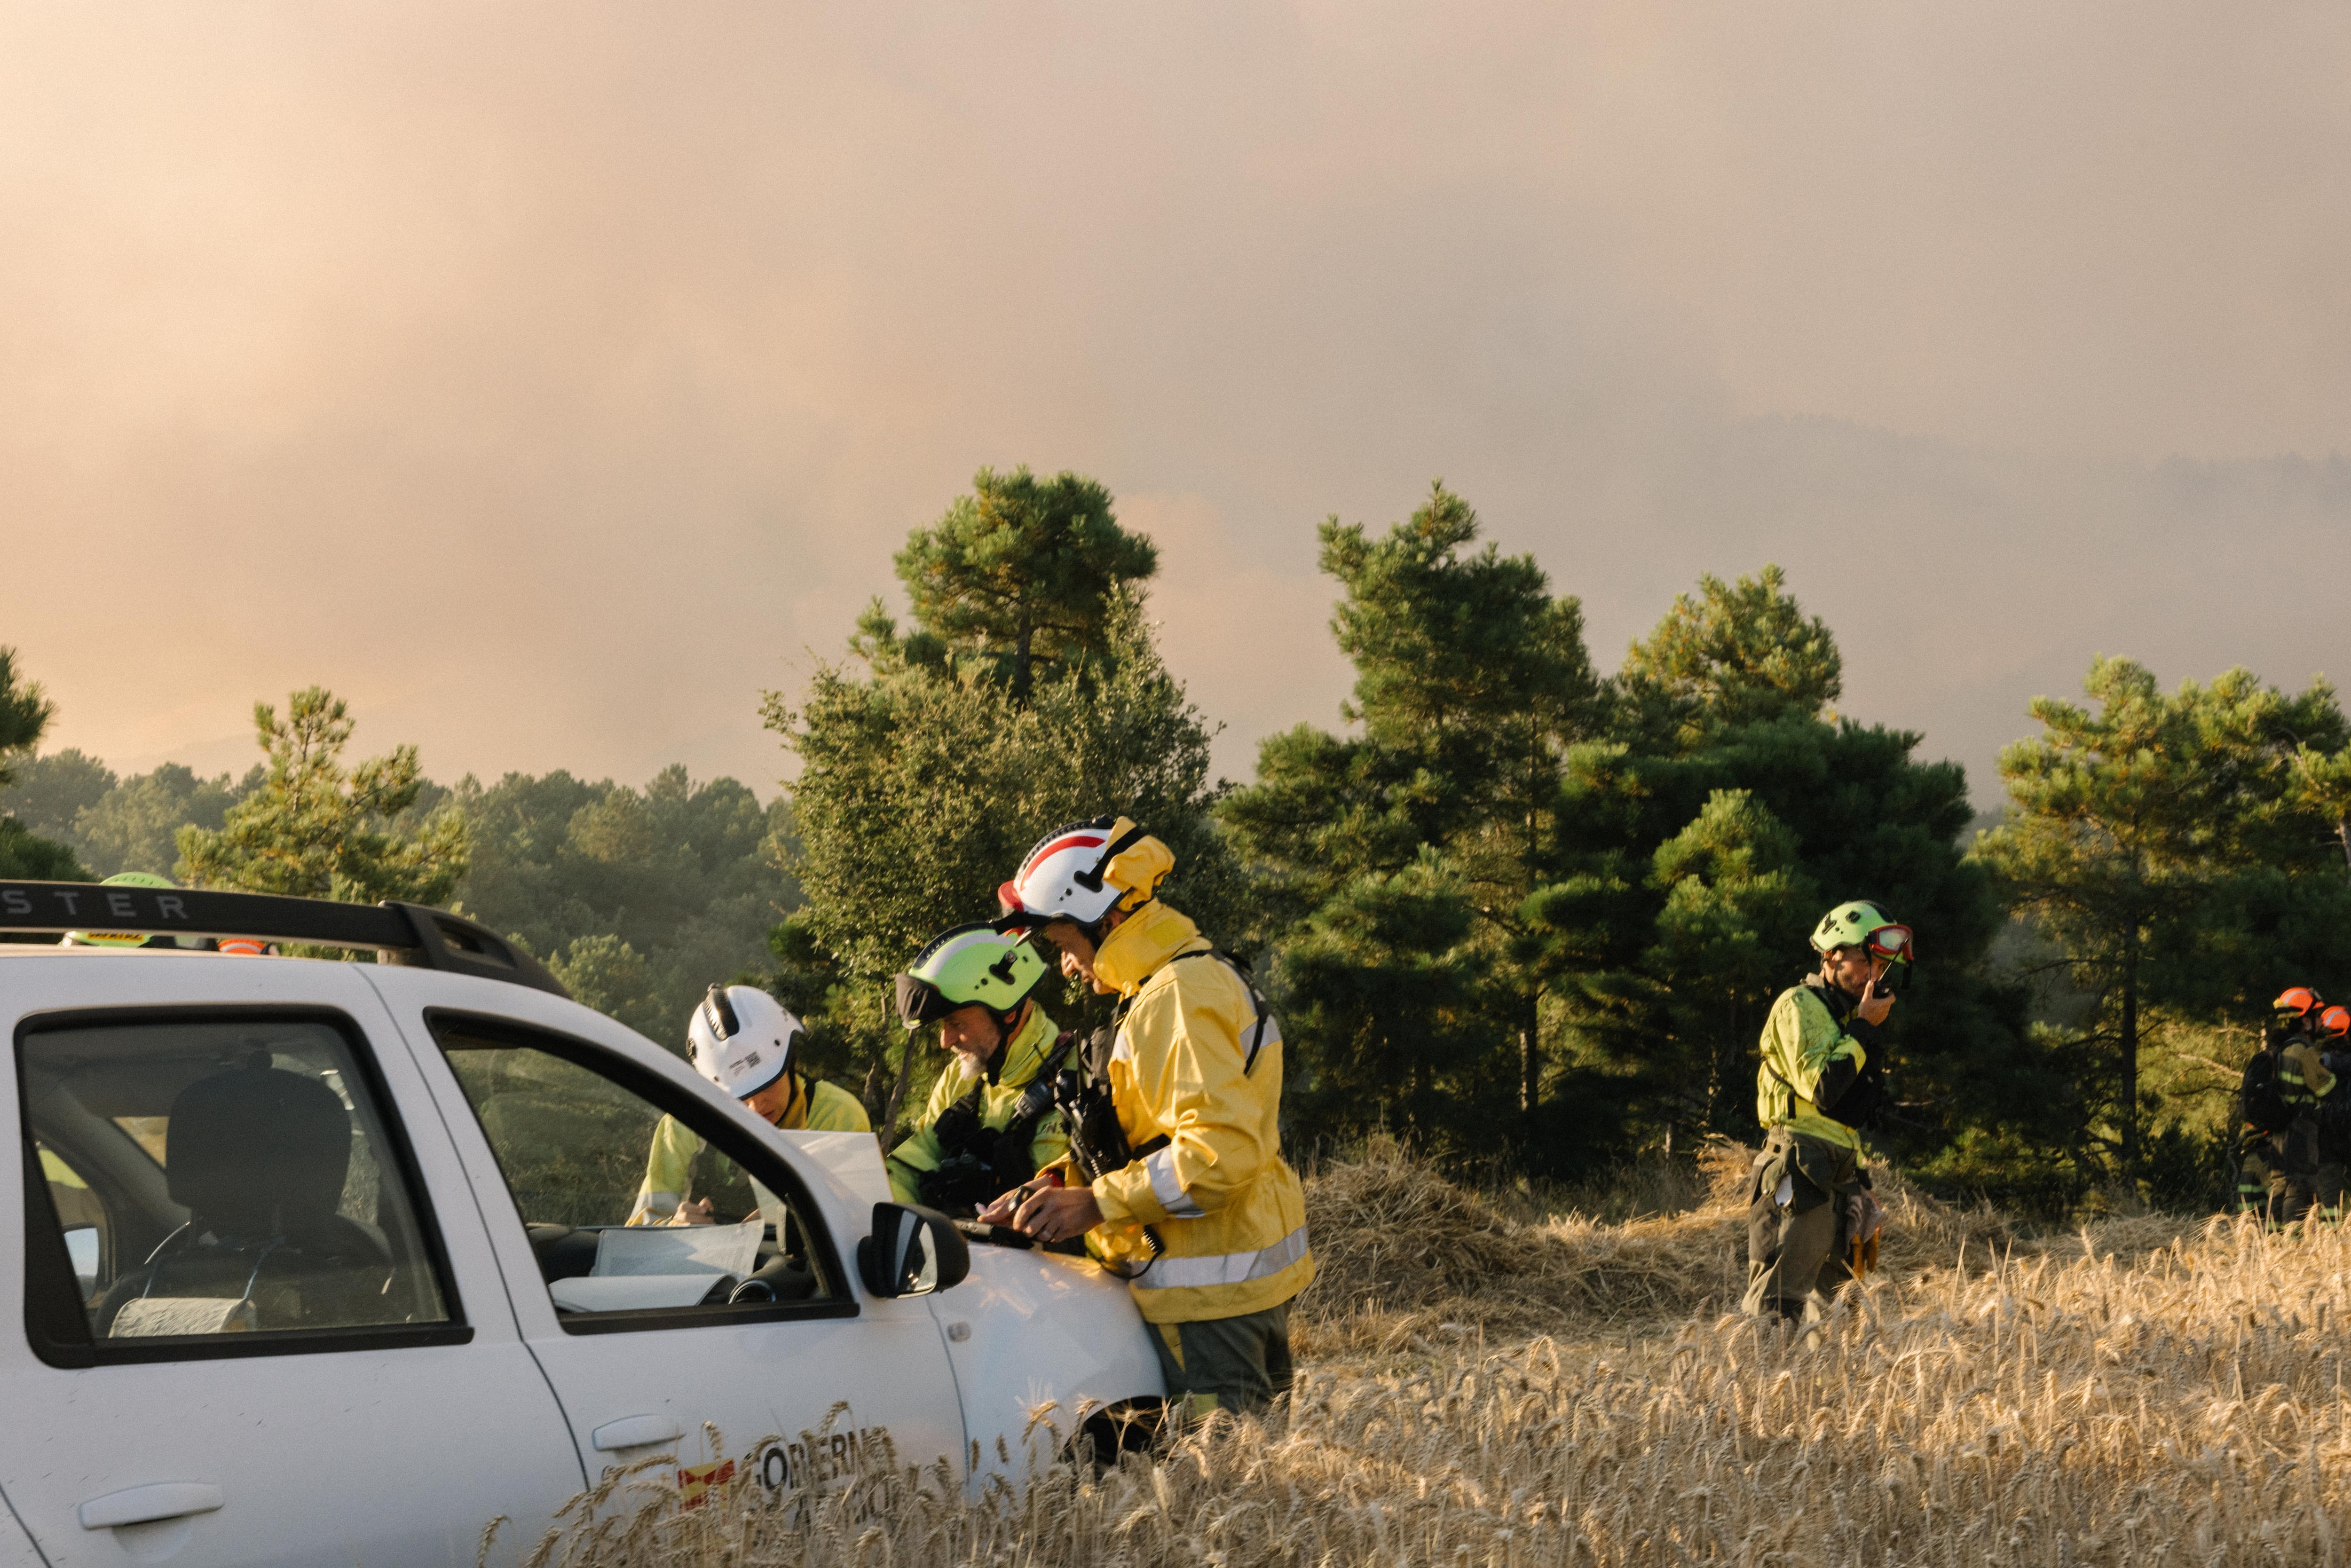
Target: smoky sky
[549,381]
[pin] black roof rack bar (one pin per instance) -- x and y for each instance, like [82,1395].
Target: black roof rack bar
[399,933]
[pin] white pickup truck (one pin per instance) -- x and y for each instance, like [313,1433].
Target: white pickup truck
[323,1261]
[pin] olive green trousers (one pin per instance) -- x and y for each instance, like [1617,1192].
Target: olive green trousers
[1241,1364]
[1798,1204]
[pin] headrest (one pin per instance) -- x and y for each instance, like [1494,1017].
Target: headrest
[243,1143]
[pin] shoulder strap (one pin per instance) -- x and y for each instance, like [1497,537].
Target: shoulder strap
[1037,1096]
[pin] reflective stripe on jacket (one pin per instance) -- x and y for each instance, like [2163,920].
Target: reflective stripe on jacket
[817,1107]
[1799,1042]
[920,1151]
[1226,1205]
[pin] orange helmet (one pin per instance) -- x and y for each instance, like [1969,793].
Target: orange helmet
[2334,1022]
[2299,1000]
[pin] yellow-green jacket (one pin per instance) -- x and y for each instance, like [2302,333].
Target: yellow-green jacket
[1226,1205]
[816,1107]
[920,1151]
[1805,1052]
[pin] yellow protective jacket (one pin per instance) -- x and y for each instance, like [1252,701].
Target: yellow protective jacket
[817,1107]
[1227,1207]
[920,1152]
[1804,1047]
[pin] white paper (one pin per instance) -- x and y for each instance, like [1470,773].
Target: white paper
[626,1292]
[185,1314]
[623,1251]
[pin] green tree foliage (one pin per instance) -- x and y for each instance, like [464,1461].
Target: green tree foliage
[26,855]
[121,824]
[24,713]
[315,830]
[1735,655]
[638,900]
[1516,902]
[925,773]
[2180,851]
[136,825]
[1407,851]
[1020,573]
[49,791]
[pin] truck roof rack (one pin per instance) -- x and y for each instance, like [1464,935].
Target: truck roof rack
[398,933]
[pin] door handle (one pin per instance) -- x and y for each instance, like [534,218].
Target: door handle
[145,1505]
[631,1432]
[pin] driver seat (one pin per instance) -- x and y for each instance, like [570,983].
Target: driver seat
[258,1157]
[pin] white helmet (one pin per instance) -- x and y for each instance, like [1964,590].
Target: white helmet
[1084,870]
[741,1039]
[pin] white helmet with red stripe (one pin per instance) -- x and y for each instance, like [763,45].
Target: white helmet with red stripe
[1084,870]
[741,1039]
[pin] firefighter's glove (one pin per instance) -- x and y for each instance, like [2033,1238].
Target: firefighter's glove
[1865,1219]
[2303,1058]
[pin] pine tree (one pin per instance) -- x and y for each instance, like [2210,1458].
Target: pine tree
[1735,655]
[25,714]
[1425,835]
[2180,851]
[314,830]
[1514,892]
[1020,572]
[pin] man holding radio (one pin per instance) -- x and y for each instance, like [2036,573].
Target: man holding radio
[1811,1220]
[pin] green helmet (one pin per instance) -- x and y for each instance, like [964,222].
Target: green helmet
[122,938]
[968,963]
[1859,923]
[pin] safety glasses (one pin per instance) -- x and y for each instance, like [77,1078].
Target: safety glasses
[1891,943]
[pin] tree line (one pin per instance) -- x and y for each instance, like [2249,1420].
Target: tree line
[637,898]
[1514,907]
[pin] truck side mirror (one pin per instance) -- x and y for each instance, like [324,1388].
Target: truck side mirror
[912,1252]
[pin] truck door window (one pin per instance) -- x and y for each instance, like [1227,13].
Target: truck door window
[217,1175]
[598,1172]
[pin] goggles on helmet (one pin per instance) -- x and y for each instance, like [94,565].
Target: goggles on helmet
[919,1002]
[1892,943]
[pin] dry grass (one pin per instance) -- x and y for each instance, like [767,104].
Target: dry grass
[2150,1391]
[1407,1256]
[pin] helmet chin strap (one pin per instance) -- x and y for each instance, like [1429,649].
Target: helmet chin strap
[793,1099]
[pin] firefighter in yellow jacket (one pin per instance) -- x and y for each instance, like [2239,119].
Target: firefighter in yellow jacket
[1809,1207]
[741,1039]
[1206,1219]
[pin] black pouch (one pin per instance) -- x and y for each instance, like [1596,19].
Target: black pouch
[1013,1164]
[957,1128]
[1858,1106]
[960,1184]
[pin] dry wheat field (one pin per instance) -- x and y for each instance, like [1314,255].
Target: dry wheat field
[1482,1388]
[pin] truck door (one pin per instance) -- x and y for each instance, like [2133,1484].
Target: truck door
[702,1346]
[262,1324]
